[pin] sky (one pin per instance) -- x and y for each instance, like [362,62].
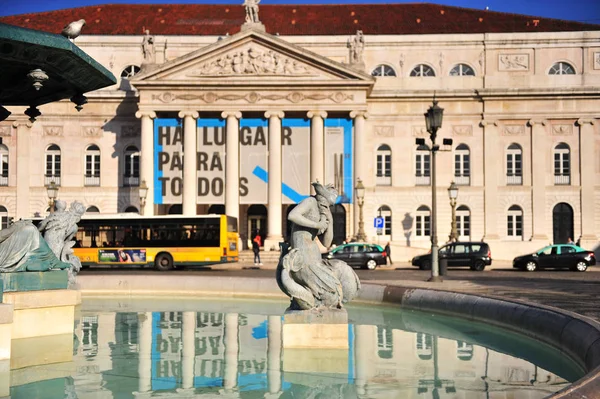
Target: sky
[574,10]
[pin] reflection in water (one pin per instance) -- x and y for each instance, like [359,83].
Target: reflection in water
[234,355]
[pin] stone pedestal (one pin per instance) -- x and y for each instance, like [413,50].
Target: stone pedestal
[315,343]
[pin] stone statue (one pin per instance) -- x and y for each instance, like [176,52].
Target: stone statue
[22,248]
[357,45]
[251,11]
[310,281]
[59,230]
[148,48]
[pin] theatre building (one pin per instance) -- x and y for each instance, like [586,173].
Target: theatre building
[223,109]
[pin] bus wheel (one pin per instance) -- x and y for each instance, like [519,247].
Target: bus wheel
[163,262]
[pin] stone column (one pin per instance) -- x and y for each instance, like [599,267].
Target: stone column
[538,179]
[231,352]
[491,165]
[190,191]
[23,172]
[362,349]
[317,146]
[274,356]
[147,158]
[360,142]
[274,209]
[189,351]
[587,155]
[232,164]
[145,352]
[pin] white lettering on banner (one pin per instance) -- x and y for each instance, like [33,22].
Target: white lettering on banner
[253,158]
[210,164]
[169,166]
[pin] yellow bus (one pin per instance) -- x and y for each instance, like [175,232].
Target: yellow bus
[164,242]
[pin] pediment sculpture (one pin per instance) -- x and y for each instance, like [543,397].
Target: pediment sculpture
[252,61]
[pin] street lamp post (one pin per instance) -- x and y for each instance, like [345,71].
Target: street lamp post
[453,194]
[360,199]
[143,191]
[433,121]
[52,190]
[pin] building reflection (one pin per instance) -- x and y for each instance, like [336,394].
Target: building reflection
[190,354]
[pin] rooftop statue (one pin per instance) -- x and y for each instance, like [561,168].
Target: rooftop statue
[251,11]
[310,281]
[59,230]
[148,50]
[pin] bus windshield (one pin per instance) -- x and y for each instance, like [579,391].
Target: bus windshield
[164,241]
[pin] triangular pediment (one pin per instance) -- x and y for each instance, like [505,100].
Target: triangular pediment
[251,56]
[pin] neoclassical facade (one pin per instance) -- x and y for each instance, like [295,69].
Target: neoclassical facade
[218,114]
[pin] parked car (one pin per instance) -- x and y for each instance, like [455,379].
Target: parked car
[356,254]
[476,255]
[556,256]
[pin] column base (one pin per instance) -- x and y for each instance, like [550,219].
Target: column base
[272,243]
[436,279]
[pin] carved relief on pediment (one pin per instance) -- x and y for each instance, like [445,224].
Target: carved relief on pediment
[562,130]
[419,131]
[513,62]
[513,130]
[462,130]
[384,131]
[252,61]
[597,60]
[5,131]
[254,97]
[53,130]
[91,131]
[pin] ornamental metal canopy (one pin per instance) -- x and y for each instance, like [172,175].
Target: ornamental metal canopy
[39,67]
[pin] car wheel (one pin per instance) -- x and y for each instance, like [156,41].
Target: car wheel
[371,264]
[531,266]
[478,266]
[425,265]
[581,266]
[163,262]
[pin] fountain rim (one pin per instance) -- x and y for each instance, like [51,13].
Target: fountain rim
[567,331]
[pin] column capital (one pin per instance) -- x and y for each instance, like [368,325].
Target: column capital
[276,113]
[227,114]
[583,121]
[193,114]
[18,123]
[144,113]
[532,122]
[318,113]
[358,113]
[486,122]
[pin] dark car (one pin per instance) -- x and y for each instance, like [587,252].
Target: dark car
[356,254]
[476,255]
[556,256]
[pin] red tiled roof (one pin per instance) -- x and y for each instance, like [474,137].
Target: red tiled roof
[337,19]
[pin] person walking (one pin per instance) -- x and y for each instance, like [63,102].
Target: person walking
[388,253]
[256,242]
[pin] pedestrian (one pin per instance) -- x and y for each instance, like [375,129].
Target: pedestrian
[570,241]
[388,253]
[256,242]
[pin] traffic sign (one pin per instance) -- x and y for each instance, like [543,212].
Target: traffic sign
[379,222]
[379,232]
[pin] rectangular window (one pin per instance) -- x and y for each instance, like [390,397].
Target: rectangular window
[423,226]
[423,165]
[514,225]
[387,225]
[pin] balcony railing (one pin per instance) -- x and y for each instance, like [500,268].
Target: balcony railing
[51,178]
[462,180]
[3,180]
[514,180]
[422,180]
[131,181]
[562,180]
[92,180]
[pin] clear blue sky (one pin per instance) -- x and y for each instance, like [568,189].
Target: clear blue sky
[575,10]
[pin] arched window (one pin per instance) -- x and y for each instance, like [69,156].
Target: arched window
[130,71]
[562,68]
[462,165]
[422,70]
[462,70]
[383,70]
[3,165]
[3,217]
[132,167]
[384,165]
[423,222]
[422,166]
[92,165]
[52,165]
[92,209]
[562,164]
[385,212]
[131,209]
[514,222]
[463,223]
[514,165]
